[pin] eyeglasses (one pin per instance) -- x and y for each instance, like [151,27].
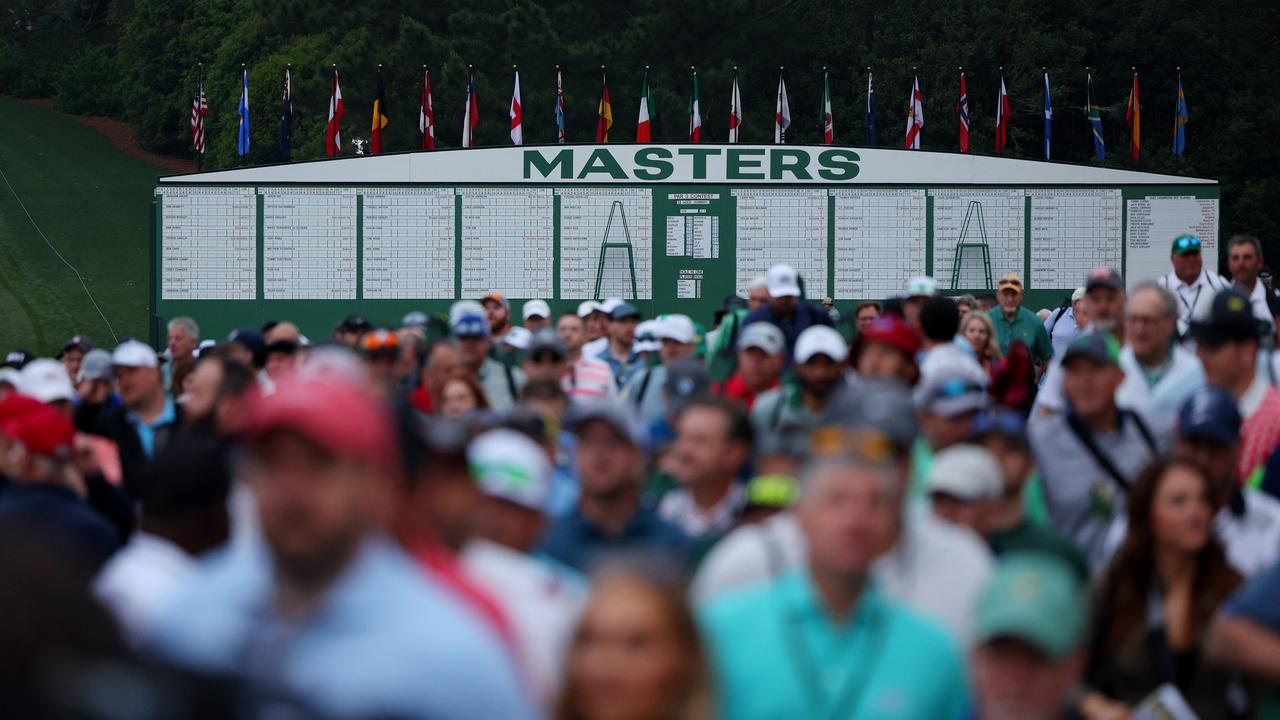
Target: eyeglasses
[1187,243]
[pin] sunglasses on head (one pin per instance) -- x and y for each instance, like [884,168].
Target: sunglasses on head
[380,340]
[1187,243]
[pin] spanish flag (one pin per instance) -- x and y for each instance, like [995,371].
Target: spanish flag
[604,112]
[379,117]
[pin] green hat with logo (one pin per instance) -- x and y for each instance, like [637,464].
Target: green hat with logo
[1184,244]
[1037,598]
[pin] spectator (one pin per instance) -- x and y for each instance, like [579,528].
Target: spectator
[1104,304]
[757,293]
[827,623]
[183,516]
[948,401]
[919,289]
[964,484]
[497,310]
[328,592]
[348,332]
[619,355]
[184,338]
[442,361]
[768,495]
[1015,323]
[981,334]
[218,396]
[966,304]
[1156,599]
[829,305]
[380,350]
[536,314]
[46,380]
[1066,322]
[939,325]
[282,358]
[585,378]
[248,346]
[713,444]
[644,390]
[1244,260]
[887,350]
[147,416]
[1245,635]
[285,331]
[461,396]
[987,302]
[94,389]
[542,602]
[609,517]
[785,308]
[1247,521]
[595,318]
[73,352]
[761,356]
[545,358]
[1190,283]
[1227,344]
[1031,650]
[1043,315]
[1089,454]
[866,313]
[820,354]
[501,383]
[636,654]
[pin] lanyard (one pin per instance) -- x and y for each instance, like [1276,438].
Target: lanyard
[1196,301]
[807,668]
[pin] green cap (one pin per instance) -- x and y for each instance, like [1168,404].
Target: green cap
[1099,347]
[774,491]
[1036,598]
[1184,244]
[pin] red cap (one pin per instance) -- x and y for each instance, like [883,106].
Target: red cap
[13,409]
[45,431]
[333,412]
[894,332]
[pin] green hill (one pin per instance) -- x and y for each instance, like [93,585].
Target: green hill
[92,203]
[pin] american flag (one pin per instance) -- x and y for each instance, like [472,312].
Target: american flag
[199,110]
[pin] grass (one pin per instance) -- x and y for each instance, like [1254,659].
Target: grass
[92,202]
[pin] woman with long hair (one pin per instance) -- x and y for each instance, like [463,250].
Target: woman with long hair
[981,334]
[461,395]
[1155,601]
[637,654]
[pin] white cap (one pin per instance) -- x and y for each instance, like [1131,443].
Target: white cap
[132,353]
[536,307]
[10,376]
[647,337]
[1078,294]
[676,327]
[509,465]
[922,286]
[763,335]
[586,307]
[518,337]
[821,340]
[967,472]
[757,283]
[783,281]
[46,380]
[607,306]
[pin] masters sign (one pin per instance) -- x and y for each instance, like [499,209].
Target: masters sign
[658,164]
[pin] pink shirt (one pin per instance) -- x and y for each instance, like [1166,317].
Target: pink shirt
[1261,432]
[590,379]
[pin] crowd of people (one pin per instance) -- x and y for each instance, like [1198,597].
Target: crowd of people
[930,508]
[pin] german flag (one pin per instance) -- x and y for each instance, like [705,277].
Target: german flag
[380,118]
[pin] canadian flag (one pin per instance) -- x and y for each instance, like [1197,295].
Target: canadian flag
[517,116]
[333,132]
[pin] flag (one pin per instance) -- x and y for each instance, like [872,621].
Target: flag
[1133,118]
[379,117]
[242,137]
[695,113]
[516,114]
[644,121]
[1180,122]
[604,112]
[1094,113]
[962,109]
[735,110]
[870,120]
[559,107]
[471,115]
[781,113]
[286,116]
[333,131]
[199,111]
[828,128]
[426,114]
[915,117]
[1002,118]
[1048,118]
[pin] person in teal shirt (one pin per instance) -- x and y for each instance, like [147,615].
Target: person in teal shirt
[823,642]
[1015,323]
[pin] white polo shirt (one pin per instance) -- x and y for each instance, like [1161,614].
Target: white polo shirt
[1251,539]
[1194,300]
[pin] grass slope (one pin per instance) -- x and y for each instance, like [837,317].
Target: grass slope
[93,204]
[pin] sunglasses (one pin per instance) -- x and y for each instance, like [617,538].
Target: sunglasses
[379,340]
[835,440]
[1187,243]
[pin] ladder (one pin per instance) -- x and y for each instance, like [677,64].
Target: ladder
[605,246]
[975,209]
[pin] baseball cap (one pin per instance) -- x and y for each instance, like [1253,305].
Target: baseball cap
[1099,347]
[96,365]
[607,306]
[415,318]
[614,414]
[968,472]
[9,376]
[774,490]
[132,353]
[17,359]
[782,281]
[1230,319]
[467,319]
[1210,413]
[517,337]
[922,286]
[538,308]
[1078,293]
[253,341]
[495,297]
[676,327]
[646,337]
[47,381]
[333,411]
[77,342]
[1184,244]
[546,340]
[355,323]
[763,335]
[1034,597]
[509,465]
[1010,281]
[687,379]
[999,420]
[1102,277]
[586,307]
[893,331]
[622,311]
[951,389]
[878,404]
[820,340]
[43,431]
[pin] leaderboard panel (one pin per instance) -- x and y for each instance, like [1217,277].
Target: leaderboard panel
[209,248]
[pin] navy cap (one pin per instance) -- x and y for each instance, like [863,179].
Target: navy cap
[1104,277]
[546,339]
[253,341]
[1230,319]
[1002,421]
[687,380]
[1210,413]
[624,311]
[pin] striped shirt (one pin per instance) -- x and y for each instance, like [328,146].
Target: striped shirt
[590,379]
[1260,406]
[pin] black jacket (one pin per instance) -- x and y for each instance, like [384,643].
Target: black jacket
[114,425]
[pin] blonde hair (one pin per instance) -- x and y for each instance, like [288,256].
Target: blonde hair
[992,350]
